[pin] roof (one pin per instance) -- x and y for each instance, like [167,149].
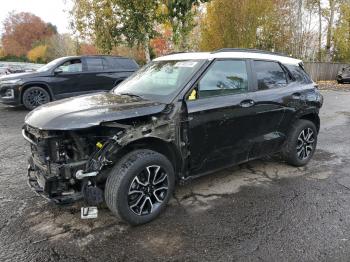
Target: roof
[80,56]
[245,54]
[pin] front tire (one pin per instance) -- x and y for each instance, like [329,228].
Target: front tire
[301,143]
[35,96]
[139,186]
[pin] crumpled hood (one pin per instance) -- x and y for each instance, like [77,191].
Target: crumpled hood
[90,110]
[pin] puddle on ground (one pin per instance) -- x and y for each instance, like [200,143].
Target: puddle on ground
[62,223]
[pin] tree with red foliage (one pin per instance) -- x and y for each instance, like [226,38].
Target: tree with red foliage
[162,44]
[88,49]
[22,30]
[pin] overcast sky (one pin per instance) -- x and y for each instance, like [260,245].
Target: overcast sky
[53,11]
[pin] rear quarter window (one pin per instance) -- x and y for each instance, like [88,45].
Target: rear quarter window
[299,74]
[122,63]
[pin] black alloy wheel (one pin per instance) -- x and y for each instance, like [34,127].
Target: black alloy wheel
[139,186]
[34,97]
[148,190]
[305,145]
[301,143]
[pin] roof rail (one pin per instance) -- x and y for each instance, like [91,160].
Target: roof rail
[248,50]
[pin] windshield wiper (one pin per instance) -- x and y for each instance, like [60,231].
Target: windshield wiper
[130,94]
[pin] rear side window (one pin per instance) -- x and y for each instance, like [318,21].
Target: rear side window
[122,63]
[269,75]
[127,63]
[94,64]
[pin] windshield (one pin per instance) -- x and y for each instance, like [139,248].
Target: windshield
[50,65]
[159,80]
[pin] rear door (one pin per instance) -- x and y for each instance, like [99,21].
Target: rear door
[220,129]
[271,92]
[121,68]
[66,78]
[97,75]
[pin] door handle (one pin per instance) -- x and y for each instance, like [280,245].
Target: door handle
[247,103]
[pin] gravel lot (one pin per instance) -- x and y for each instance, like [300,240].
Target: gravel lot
[260,211]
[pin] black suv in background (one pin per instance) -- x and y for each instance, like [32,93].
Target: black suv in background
[65,77]
[181,116]
[344,75]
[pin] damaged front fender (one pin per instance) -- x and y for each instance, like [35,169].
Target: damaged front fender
[161,133]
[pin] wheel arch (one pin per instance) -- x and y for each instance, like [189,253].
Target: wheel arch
[36,84]
[168,149]
[313,117]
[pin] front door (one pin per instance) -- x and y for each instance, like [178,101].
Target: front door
[220,131]
[66,78]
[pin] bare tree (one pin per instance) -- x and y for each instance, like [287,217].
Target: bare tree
[329,14]
[319,7]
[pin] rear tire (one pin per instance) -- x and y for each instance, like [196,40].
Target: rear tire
[139,186]
[35,96]
[301,143]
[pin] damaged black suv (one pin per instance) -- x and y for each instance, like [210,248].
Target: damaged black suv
[179,117]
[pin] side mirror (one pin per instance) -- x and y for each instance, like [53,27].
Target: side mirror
[58,71]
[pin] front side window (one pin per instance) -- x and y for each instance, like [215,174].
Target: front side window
[71,66]
[159,80]
[223,78]
[51,65]
[269,75]
[94,64]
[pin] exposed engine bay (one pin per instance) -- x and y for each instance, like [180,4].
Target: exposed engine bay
[66,166]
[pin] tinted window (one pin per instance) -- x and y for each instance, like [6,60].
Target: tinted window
[127,63]
[122,63]
[224,77]
[71,66]
[299,74]
[94,64]
[269,75]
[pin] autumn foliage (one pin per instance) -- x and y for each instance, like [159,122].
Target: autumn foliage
[307,29]
[38,53]
[162,44]
[21,31]
[88,49]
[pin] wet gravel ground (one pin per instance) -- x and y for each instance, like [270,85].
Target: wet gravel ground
[260,211]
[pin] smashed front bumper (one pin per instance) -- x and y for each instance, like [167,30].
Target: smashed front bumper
[55,188]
